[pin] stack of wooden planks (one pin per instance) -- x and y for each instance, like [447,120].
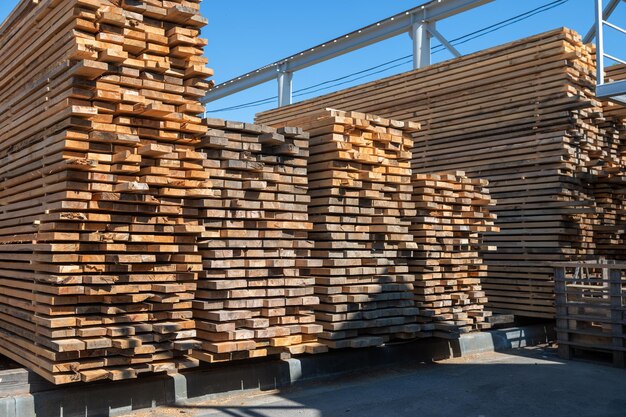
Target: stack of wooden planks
[523,116]
[610,186]
[98,167]
[452,217]
[360,187]
[615,73]
[253,298]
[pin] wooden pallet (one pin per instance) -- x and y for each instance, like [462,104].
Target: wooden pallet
[591,311]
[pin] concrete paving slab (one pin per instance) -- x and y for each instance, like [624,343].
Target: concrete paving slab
[523,382]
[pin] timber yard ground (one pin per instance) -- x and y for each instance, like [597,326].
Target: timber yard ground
[523,382]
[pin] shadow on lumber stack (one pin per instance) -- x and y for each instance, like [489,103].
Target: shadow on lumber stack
[452,218]
[253,298]
[524,116]
[98,253]
[360,188]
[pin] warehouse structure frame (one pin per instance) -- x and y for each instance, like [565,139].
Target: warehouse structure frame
[419,23]
[616,90]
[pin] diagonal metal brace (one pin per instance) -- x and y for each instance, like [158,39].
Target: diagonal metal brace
[431,28]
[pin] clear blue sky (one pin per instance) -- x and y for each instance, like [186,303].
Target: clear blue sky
[247,34]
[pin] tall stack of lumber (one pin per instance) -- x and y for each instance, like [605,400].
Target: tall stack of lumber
[452,217]
[523,116]
[98,253]
[253,297]
[360,187]
[610,186]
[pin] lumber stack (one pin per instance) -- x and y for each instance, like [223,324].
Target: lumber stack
[523,116]
[360,187]
[609,194]
[253,296]
[98,166]
[615,73]
[610,186]
[452,217]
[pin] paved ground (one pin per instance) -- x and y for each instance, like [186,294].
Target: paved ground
[528,382]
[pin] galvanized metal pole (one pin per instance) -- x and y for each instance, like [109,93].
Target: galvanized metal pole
[608,10]
[434,32]
[285,88]
[599,42]
[421,44]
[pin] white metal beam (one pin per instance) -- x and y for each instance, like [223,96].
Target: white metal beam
[608,11]
[599,26]
[616,90]
[430,12]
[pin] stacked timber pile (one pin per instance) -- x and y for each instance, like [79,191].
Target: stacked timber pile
[452,217]
[253,298]
[360,188]
[98,253]
[523,116]
[610,186]
[616,73]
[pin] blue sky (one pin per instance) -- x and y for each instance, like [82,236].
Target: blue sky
[247,34]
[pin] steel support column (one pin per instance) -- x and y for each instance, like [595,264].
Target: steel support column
[421,44]
[285,88]
[608,10]
[444,41]
[600,42]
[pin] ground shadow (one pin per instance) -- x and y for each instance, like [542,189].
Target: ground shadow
[524,382]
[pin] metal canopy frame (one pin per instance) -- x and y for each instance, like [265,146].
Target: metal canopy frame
[419,23]
[614,91]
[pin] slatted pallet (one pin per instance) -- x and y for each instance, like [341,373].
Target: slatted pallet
[98,252]
[523,116]
[591,309]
